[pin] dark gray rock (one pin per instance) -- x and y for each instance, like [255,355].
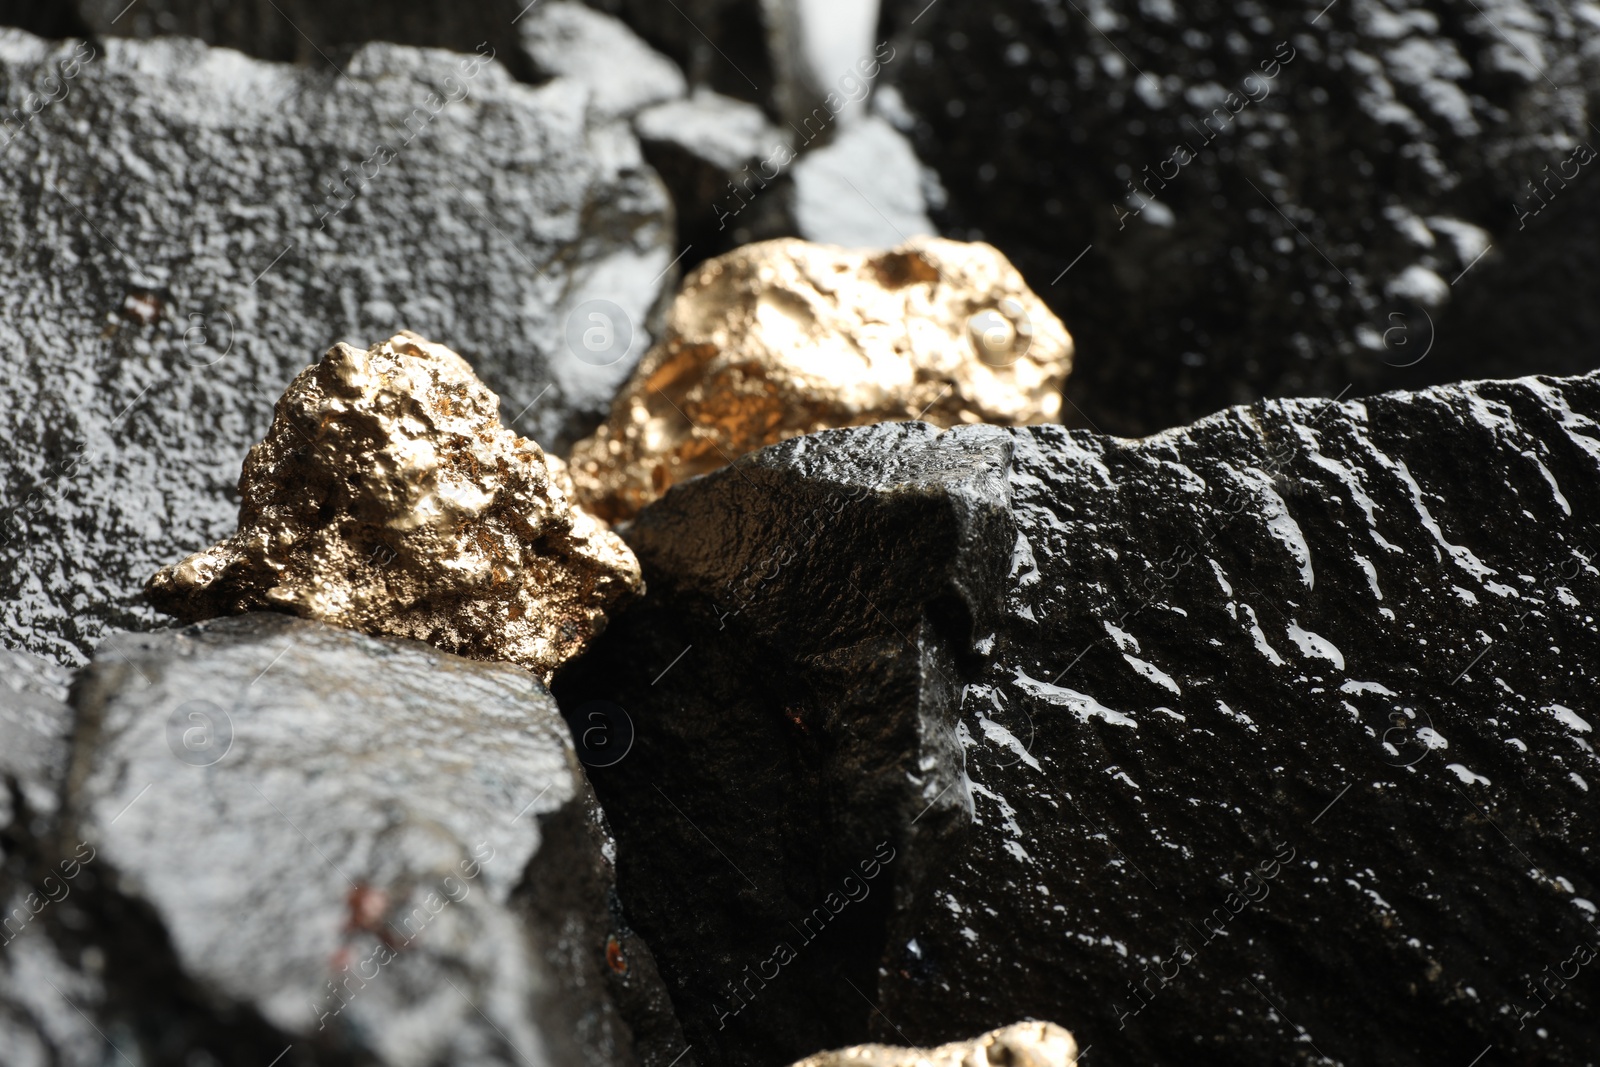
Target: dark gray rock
[1393,143]
[1268,740]
[47,1004]
[184,229]
[35,723]
[311,32]
[366,849]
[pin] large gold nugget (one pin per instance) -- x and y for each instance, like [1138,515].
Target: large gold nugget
[388,498]
[784,338]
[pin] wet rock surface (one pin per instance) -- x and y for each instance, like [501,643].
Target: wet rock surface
[185,230]
[362,848]
[1256,190]
[785,338]
[389,498]
[1267,740]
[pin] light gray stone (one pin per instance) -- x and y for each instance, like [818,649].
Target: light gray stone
[862,190]
[624,75]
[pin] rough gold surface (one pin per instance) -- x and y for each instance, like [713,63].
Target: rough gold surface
[784,338]
[1021,1045]
[388,498]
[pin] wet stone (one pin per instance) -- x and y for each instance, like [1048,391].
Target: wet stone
[1266,740]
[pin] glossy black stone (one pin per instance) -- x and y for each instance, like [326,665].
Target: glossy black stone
[1260,741]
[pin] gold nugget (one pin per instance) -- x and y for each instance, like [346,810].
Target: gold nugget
[388,498]
[784,338]
[1035,1044]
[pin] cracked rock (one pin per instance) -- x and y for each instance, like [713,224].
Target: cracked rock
[786,338]
[151,318]
[1266,740]
[365,848]
[388,498]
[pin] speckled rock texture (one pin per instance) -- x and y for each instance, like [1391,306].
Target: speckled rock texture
[1258,190]
[1021,1045]
[787,337]
[1267,740]
[184,229]
[364,848]
[388,498]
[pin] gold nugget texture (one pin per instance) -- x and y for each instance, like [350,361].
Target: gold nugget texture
[784,338]
[1034,1044]
[388,498]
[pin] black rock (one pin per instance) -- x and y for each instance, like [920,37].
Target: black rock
[48,18]
[1268,200]
[185,229]
[367,849]
[312,32]
[1263,741]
